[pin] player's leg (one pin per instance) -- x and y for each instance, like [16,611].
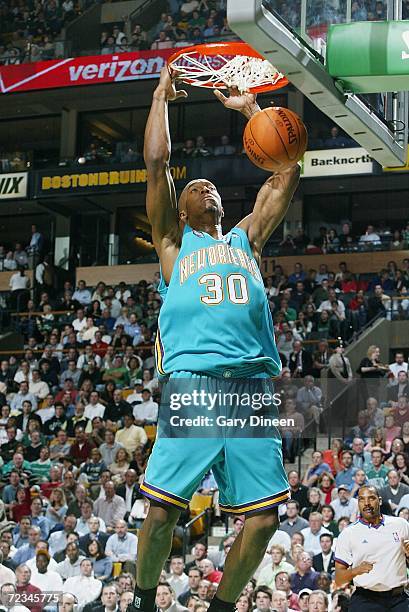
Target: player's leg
[154,545]
[246,555]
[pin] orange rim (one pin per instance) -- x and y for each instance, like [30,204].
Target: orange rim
[225,49]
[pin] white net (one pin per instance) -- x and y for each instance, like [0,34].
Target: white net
[240,71]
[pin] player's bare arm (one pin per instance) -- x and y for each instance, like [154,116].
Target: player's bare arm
[275,195]
[161,203]
[344,575]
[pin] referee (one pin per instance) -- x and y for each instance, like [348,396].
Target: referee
[372,552]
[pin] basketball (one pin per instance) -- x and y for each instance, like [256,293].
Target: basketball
[275,139]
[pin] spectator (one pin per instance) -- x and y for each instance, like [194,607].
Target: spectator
[345,505]
[112,508]
[313,532]
[131,436]
[225,148]
[43,577]
[82,294]
[25,588]
[268,574]
[84,586]
[370,237]
[304,576]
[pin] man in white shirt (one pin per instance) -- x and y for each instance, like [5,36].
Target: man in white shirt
[6,574]
[83,523]
[312,533]
[122,546]
[327,304]
[373,553]
[58,540]
[146,413]
[38,387]
[345,505]
[81,294]
[23,394]
[136,396]
[85,587]
[42,577]
[398,365]
[370,236]
[80,322]
[177,579]
[94,408]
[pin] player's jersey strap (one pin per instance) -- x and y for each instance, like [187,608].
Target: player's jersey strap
[215,316]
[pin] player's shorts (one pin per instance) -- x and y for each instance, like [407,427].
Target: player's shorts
[249,471]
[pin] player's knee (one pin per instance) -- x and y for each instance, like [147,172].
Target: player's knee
[264,524]
[162,519]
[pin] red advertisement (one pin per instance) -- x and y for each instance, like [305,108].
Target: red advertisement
[88,70]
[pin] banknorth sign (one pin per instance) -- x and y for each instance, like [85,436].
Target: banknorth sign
[13,186]
[332,162]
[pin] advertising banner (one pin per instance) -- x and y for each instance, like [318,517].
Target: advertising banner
[88,70]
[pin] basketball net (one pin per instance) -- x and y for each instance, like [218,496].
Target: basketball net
[204,66]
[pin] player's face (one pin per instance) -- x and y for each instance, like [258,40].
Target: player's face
[200,197]
[369,504]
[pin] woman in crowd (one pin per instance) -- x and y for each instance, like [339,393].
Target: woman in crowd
[400,463]
[315,504]
[405,436]
[378,440]
[333,456]
[371,370]
[244,603]
[328,521]
[326,484]
[101,564]
[120,465]
[57,508]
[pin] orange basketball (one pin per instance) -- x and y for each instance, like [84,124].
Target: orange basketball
[275,139]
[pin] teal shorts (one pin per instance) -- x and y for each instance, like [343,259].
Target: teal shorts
[249,471]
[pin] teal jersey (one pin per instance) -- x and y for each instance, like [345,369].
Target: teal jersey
[215,316]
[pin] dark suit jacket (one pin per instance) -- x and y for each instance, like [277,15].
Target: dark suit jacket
[306,362]
[318,563]
[393,392]
[136,494]
[85,540]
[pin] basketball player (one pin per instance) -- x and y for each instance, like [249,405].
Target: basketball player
[215,323]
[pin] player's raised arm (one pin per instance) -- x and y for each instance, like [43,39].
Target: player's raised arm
[161,197]
[275,195]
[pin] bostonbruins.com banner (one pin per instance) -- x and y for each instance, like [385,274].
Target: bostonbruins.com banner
[103,179]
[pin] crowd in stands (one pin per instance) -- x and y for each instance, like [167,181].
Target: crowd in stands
[186,23]
[380,238]
[319,15]
[77,423]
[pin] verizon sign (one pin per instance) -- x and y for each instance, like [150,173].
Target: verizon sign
[89,70]
[13,186]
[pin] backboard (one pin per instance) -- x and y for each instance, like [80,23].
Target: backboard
[291,34]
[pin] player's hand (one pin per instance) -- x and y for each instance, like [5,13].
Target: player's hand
[286,181]
[167,85]
[363,568]
[245,102]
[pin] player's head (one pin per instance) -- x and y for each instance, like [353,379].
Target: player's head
[200,202]
[369,502]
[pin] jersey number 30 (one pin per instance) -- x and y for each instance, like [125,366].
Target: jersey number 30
[237,290]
